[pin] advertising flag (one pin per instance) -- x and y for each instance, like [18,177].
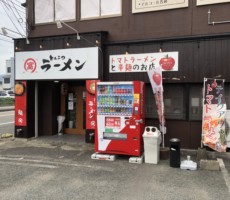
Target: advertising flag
[155,77]
[214,109]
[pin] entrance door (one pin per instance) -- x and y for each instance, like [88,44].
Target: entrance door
[73,106]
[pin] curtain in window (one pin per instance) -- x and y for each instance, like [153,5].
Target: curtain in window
[65,10]
[44,11]
[111,7]
[90,8]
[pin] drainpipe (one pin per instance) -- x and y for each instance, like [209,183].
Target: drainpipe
[36,110]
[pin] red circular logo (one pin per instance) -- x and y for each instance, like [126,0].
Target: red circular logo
[30,65]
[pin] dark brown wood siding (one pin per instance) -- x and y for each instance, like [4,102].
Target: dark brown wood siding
[203,51]
[199,58]
[189,21]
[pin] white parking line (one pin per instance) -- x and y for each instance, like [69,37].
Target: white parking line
[224,173]
[50,164]
[6,123]
[29,165]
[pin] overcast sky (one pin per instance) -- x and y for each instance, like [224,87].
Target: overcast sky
[12,16]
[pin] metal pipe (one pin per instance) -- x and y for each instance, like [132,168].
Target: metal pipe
[59,25]
[213,22]
[209,16]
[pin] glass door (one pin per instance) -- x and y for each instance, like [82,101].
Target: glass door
[72,105]
[71,110]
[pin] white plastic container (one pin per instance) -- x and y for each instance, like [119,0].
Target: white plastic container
[152,140]
[188,164]
[60,120]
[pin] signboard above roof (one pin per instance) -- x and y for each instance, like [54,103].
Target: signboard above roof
[139,6]
[206,2]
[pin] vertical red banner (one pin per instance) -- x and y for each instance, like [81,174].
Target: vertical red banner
[20,103]
[155,77]
[90,104]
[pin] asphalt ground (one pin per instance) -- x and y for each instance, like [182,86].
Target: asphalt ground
[60,167]
[6,108]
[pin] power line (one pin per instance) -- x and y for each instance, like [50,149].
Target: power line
[19,1]
[18,6]
[10,17]
[16,16]
[13,4]
[7,36]
[7,5]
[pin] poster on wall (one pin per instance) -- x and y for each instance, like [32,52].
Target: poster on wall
[206,2]
[214,110]
[139,6]
[167,61]
[20,103]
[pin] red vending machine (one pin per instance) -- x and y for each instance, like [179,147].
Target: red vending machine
[120,117]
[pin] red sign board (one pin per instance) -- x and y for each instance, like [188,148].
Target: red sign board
[90,104]
[20,104]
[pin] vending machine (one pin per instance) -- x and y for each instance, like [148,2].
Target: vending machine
[120,118]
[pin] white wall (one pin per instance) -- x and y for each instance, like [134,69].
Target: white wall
[9,64]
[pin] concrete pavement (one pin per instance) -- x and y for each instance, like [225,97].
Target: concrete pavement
[68,159]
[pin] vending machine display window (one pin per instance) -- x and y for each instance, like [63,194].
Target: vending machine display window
[115,100]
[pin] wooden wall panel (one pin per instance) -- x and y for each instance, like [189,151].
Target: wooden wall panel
[197,59]
[188,132]
[183,22]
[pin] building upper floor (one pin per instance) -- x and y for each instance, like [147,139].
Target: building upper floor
[127,20]
[8,77]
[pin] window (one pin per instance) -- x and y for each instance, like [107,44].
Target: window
[8,69]
[6,80]
[100,8]
[174,102]
[47,11]
[195,102]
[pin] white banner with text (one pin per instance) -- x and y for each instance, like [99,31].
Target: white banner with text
[79,63]
[167,61]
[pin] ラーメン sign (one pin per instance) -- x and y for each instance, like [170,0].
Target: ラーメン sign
[167,61]
[79,63]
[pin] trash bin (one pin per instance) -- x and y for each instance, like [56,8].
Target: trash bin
[174,152]
[152,140]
